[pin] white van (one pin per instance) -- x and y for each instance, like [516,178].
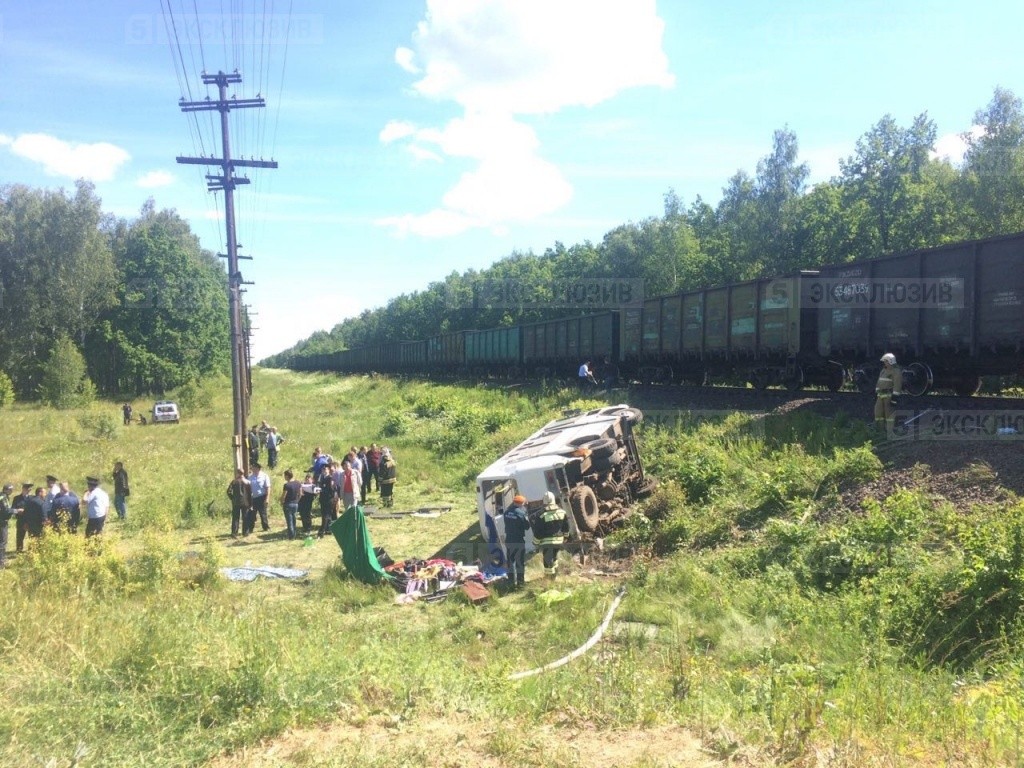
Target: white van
[164,411]
[589,461]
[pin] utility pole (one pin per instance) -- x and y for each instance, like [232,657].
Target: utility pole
[226,182]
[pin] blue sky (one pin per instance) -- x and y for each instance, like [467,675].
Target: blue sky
[418,137]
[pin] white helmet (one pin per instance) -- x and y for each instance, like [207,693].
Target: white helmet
[549,499]
[889,358]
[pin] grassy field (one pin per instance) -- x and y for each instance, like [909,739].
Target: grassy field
[752,628]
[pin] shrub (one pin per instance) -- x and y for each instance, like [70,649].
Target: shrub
[668,498]
[702,473]
[100,424]
[428,405]
[6,389]
[395,424]
[851,467]
[973,608]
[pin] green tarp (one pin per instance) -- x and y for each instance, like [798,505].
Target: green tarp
[356,548]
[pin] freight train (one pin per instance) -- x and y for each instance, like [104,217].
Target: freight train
[950,315]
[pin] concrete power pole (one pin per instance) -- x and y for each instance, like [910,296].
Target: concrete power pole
[226,182]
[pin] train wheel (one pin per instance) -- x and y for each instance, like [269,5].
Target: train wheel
[917,379]
[760,379]
[967,385]
[584,508]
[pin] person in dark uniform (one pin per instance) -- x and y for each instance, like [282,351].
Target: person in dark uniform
[33,515]
[6,513]
[121,490]
[516,526]
[610,374]
[18,508]
[66,510]
[126,412]
[328,500]
[240,493]
[306,499]
[549,532]
[254,440]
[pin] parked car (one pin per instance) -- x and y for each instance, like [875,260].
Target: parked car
[164,411]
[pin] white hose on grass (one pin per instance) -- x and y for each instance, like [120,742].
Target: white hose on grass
[579,651]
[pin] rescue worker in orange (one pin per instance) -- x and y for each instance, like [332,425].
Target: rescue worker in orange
[889,387]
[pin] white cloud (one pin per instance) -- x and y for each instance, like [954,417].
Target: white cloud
[404,58]
[953,146]
[98,162]
[538,56]
[424,154]
[395,130]
[498,59]
[155,179]
[823,161]
[437,223]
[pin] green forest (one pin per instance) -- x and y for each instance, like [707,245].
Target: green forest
[893,194]
[92,304]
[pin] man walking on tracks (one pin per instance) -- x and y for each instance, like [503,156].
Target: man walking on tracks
[889,387]
[549,531]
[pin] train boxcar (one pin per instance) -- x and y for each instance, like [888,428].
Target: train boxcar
[752,331]
[446,354]
[494,352]
[412,357]
[949,314]
[557,347]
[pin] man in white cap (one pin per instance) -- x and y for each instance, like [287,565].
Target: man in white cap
[549,532]
[97,502]
[889,386]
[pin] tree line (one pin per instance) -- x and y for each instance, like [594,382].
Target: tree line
[892,194]
[93,303]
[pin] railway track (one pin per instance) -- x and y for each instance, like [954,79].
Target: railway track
[749,399]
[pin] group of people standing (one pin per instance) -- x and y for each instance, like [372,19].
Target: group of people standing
[331,485]
[264,437]
[54,506]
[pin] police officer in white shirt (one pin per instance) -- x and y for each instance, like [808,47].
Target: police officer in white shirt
[97,502]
